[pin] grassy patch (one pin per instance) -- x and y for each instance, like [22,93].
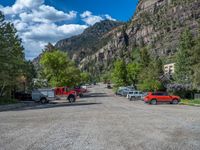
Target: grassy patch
[195,102]
[6,101]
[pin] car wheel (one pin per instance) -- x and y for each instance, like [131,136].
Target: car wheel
[133,98]
[43,100]
[153,102]
[72,99]
[175,102]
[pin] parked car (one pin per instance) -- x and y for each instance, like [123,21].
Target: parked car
[135,95]
[119,92]
[43,95]
[156,97]
[130,87]
[84,88]
[79,90]
[109,86]
[144,95]
[66,91]
[22,96]
[126,91]
[123,91]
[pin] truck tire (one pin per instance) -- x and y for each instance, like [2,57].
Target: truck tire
[81,95]
[43,100]
[71,99]
[153,102]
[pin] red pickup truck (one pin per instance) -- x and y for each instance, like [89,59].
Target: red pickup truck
[66,91]
[155,97]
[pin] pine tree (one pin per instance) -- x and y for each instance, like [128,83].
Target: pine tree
[11,57]
[183,59]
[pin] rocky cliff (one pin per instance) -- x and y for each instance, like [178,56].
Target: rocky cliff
[90,41]
[156,24]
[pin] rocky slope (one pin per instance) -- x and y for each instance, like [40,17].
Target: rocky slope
[156,24]
[87,43]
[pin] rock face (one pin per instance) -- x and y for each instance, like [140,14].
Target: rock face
[90,41]
[156,24]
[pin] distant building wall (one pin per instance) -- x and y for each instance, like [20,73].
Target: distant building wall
[169,68]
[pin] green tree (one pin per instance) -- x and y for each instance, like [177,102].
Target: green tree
[183,59]
[59,70]
[85,77]
[149,76]
[29,73]
[11,57]
[133,70]
[195,53]
[144,57]
[119,74]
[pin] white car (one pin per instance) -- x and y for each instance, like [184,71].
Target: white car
[126,91]
[135,95]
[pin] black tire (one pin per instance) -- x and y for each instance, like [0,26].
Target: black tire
[153,102]
[132,98]
[43,100]
[175,101]
[81,95]
[71,99]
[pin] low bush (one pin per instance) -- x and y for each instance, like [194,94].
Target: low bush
[5,101]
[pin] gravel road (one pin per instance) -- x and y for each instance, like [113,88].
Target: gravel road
[101,121]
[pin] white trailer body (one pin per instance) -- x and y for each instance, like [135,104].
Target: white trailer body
[43,95]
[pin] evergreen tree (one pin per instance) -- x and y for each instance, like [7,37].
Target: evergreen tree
[149,76]
[144,57]
[183,61]
[11,57]
[195,59]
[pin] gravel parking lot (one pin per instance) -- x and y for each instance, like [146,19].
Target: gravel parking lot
[101,121]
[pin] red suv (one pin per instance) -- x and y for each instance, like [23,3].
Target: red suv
[155,97]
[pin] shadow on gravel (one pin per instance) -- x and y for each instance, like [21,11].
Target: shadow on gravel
[92,95]
[54,105]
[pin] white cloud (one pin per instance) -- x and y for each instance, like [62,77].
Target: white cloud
[109,17]
[39,35]
[86,14]
[37,24]
[22,5]
[47,14]
[91,19]
[52,32]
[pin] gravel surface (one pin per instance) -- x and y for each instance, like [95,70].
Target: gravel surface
[101,121]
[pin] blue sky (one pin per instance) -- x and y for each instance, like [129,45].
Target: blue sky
[41,21]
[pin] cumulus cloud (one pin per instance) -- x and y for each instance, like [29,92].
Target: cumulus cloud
[38,23]
[47,14]
[91,19]
[22,5]
[53,32]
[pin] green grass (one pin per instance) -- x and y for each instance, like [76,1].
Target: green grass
[195,102]
[6,101]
